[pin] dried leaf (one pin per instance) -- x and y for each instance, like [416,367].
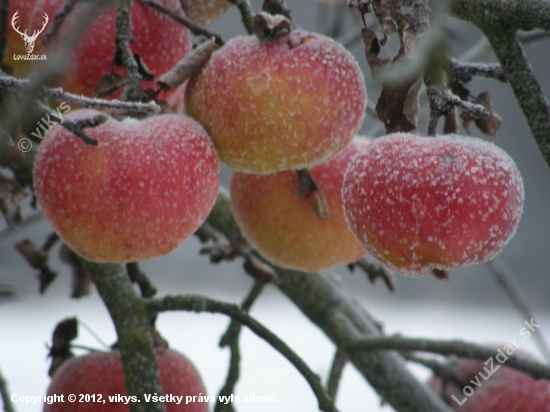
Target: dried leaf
[12,195]
[188,66]
[204,11]
[81,282]
[35,257]
[108,85]
[64,333]
[375,270]
[260,271]
[489,126]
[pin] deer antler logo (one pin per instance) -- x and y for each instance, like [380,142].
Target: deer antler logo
[29,40]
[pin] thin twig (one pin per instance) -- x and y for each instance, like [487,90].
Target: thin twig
[441,369]
[335,375]
[231,338]
[195,28]
[464,72]
[506,278]
[202,304]
[132,90]
[457,348]
[136,275]
[22,86]
[29,221]
[6,399]
[58,19]
[246,13]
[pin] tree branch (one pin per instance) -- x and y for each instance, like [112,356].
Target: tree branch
[231,338]
[199,304]
[335,375]
[182,19]
[499,20]
[22,87]
[132,91]
[506,278]
[457,348]
[329,306]
[131,319]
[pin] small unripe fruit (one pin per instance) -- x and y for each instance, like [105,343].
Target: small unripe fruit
[419,203]
[143,190]
[284,228]
[288,103]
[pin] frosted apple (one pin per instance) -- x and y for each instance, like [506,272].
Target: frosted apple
[95,377]
[419,203]
[288,103]
[147,186]
[493,388]
[284,227]
[159,40]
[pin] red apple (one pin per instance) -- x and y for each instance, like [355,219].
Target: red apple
[159,40]
[284,228]
[420,203]
[492,387]
[97,380]
[288,103]
[147,186]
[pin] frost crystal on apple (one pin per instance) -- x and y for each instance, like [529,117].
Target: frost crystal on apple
[422,203]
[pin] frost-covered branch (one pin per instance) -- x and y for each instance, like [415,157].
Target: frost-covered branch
[131,319]
[499,20]
[22,87]
[450,348]
[329,306]
[203,304]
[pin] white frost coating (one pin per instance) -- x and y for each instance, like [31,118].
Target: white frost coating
[287,104]
[422,203]
[145,188]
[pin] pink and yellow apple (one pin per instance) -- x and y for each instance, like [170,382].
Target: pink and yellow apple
[96,377]
[418,204]
[288,103]
[284,228]
[143,190]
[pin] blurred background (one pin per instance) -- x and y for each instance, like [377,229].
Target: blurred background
[470,305]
